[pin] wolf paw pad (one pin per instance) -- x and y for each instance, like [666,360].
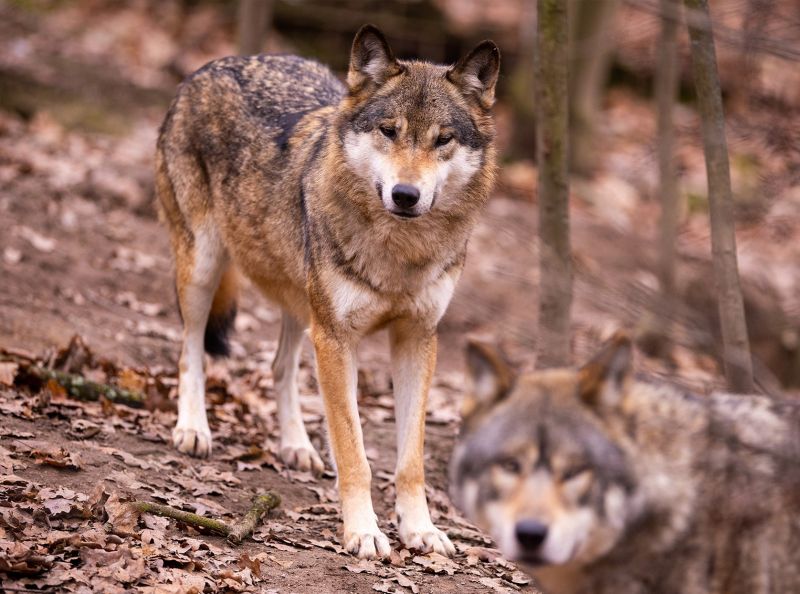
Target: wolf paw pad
[429,540]
[368,545]
[195,442]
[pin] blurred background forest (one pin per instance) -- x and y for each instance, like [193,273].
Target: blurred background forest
[84,85]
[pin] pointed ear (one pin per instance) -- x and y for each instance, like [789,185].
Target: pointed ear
[371,59]
[601,382]
[476,73]
[491,378]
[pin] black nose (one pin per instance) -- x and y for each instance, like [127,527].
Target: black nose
[405,196]
[530,534]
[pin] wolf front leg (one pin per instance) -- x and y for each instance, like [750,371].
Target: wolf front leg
[337,376]
[413,362]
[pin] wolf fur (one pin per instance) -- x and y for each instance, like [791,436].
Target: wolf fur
[600,483]
[350,207]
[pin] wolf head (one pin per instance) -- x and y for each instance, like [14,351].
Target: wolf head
[537,465]
[416,134]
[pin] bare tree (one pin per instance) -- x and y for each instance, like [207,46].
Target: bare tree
[736,349]
[555,281]
[253,18]
[665,90]
[591,44]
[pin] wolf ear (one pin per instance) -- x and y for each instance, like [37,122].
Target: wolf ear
[601,382]
[476,73]
[371,59]
[491,377]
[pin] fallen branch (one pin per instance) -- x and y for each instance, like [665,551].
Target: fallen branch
[244,527]
[80,388]
[235,533]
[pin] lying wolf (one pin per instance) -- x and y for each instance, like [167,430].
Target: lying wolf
[599,483]
[350,207]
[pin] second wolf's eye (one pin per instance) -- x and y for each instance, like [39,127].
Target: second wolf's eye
[510,465]
[573,471]
[389,132]
[444,139]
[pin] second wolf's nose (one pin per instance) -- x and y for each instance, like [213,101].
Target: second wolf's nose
[530,534]
[405,196]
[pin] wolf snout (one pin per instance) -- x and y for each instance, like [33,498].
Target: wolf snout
[530,535]
[405,196]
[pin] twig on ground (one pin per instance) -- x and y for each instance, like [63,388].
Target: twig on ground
[244,527]
[235,533]
[78,387]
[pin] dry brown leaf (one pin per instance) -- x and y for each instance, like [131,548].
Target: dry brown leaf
[8,371]
[58,457]
[122,517]
[436,563]
[497,585]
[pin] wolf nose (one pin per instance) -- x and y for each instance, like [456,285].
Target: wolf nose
[405,196]
[530,534]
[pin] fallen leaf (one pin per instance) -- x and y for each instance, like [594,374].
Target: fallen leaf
[122,517]
[436,563]
[8,371]
[496,585]
[58,457]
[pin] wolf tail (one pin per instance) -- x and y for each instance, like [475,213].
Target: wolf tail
[222,314]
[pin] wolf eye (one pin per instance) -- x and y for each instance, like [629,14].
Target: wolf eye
[510,465]
[444,139]
[389,132]
[573,471]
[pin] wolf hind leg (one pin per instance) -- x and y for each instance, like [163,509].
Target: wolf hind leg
[199,267]
[296,449]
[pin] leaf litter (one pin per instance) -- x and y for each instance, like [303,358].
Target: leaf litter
[79,537]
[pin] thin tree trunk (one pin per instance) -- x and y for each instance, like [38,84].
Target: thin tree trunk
[555,281]
[666,89]
[736,349]
[591,44]
[253,17]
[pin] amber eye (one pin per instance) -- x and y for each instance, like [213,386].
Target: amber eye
[510,465]
[444,139]
[389,132]
[573,471]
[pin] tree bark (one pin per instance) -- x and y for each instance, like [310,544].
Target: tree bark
[591,43]
[253,17]
[736,349]
[666,88]
[555,280]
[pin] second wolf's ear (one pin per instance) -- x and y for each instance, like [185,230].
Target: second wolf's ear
[371,59]
[476,73]
[601,382]
[490,375]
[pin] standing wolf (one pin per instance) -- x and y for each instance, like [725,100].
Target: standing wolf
[598,483]
[350,207]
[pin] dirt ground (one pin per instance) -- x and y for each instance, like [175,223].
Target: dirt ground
[82,254]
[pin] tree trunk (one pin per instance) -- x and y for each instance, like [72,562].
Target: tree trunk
[666,89]
[253,17]
[736,349]
[555,279]
[591,44]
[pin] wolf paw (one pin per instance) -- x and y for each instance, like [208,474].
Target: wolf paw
[428,539]
[192,441]
[368,545]
[303,458]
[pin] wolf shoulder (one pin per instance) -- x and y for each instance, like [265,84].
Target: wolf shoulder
[244,108]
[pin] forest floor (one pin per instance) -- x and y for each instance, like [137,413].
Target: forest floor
[82,254]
